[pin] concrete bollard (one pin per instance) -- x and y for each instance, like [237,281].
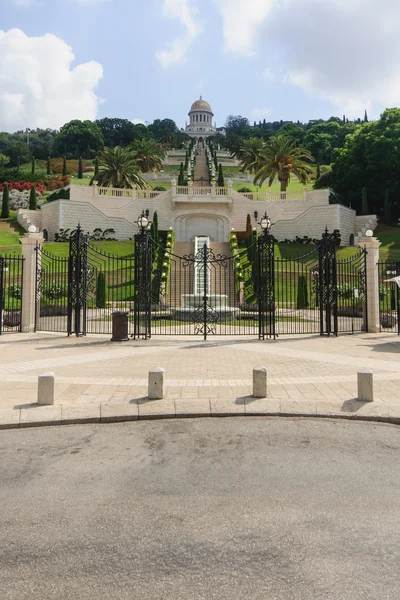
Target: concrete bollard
[260,382]
[156,384]
[46,389]
[365,385]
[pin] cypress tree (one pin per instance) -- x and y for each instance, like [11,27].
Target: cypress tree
[364,202]
[318,170]
[366,117]
[155,222]
[5,210]
[96,168]
[80,168]
[186,162]
[101,291]
[181,176]
[32,199]
[302,298]
[215,161]
[221,181]
[33,165]
[64,171]
[387,209]
[48,166]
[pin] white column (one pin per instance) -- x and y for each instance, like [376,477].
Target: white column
[134,195]
[95,191]
[173,188]
[190,192]
[230,189]
[28,302]
[371,245]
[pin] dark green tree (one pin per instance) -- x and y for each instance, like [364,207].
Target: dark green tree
[5,210]
[118,132]
[155,223]
[101,291]
[77,135]
[33,168]
[181,177]
[80,168]
[64,171]
[366,117]
[364,202]
[318,170]
[32,199]
[96,168]
[221,181]
[302,295]
[48,168]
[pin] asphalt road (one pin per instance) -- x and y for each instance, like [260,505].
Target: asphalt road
[201,509]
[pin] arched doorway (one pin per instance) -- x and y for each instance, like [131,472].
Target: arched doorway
[351,239]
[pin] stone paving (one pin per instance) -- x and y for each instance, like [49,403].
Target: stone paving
[213,375]
[306,375]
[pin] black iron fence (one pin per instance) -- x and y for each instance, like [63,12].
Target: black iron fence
[11,286]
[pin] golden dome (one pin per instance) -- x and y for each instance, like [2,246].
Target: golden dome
[201,105]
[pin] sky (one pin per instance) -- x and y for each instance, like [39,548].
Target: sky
[149,59]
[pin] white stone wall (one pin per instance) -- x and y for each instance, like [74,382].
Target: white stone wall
[307,215]
[64,214]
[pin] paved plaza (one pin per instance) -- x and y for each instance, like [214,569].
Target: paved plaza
[306,375]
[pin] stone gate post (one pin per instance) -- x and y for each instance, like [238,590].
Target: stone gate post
[371,245]
[28,301]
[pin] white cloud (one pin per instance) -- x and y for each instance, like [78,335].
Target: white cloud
[24,2]
[242,20]
[176,51]
[344,51]
[260,113]
[138,121]
[38,86]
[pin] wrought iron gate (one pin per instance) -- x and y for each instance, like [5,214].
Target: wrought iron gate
[389,296]
[11,285]
[254,292]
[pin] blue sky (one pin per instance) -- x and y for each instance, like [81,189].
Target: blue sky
[148,59]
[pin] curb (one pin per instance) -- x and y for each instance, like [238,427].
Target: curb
[110,413]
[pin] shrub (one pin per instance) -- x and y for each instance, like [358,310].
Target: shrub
[80,169]
[61,194]
[388,321]
[345,291]
[57,182]
[55,291]
[221,180]
[244,190]
[302,296]
[15,291]
[159,188]
[101,291]
[23,186]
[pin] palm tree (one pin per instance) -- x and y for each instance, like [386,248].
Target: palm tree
[148,155]
[250,153]
[118,168]
[282,158]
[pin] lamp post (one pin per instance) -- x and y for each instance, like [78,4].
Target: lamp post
[142,278]
[266,280]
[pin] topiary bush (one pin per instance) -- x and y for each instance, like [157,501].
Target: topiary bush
[245,190]
[302,295]
[101,291]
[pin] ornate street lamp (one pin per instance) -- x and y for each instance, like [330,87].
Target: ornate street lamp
[265,224]
[143,221]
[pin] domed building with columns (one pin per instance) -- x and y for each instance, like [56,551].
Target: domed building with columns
[201,120]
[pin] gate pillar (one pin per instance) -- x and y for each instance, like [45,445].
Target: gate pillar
[266,281]
[371,245]
[29,242]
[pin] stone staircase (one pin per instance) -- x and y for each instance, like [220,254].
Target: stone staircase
[181,281]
